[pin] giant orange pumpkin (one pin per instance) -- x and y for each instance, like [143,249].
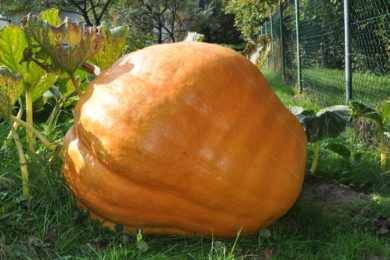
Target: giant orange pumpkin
[184,138]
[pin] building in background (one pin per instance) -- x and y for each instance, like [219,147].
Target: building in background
[15,16]
[4,21]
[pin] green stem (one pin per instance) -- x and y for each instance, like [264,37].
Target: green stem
[315,157]
[23,163]
[6,180]
[76,84]
[383,150]
[54,115]
[29,119]
[15,124]
[45,142]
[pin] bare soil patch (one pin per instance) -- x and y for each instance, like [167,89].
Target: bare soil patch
[333,196]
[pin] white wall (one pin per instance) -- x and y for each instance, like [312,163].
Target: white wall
[3,22]
[17,17]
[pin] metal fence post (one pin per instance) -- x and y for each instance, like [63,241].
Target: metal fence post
[272,43]
[266,32]
[299,72]
[281,42]
[347,39]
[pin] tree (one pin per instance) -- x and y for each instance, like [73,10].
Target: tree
[250,14]
[91,10]
[212,21]
[10,7]
[164,18]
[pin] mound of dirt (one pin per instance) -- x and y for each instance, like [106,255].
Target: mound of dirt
[333,196]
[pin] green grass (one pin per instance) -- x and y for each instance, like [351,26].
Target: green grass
[50,226]
[287,93]
[327,86]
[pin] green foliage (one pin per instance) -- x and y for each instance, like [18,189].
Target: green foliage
[164,19]
[257,51]
[38,54]
[113,46]
[380,116]
[93,11]
[51,16]
[326,86]
[214,23]
[11,87]
[340,149]
[322,49]
[329,122]
[21,7]
[13,43]
[249,15]
[142,246]
[67,45]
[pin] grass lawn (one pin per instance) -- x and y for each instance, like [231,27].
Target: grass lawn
[343,213]
[327,86]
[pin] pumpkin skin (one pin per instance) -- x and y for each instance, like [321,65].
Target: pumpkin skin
[184,138]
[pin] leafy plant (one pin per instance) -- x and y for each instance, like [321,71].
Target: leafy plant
[60,48]
[11,87]
[43,51]
[257,52]
[329,122]
[36,81]
[250,15]
[381,117]
[113,45]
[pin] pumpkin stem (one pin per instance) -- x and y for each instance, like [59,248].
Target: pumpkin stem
[315,158]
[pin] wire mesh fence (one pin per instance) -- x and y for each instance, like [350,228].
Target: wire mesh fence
[322,49]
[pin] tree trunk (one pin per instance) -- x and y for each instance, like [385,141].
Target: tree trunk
[159,38]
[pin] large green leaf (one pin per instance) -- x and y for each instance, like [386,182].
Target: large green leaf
[361,110]
[11,87]
[51,16]
[45,82]
[385,111]
[339,149]
[305,118]
[330,122]
[67,45]
[65,88]
[302,114]
[339,112]
[13,43]
[327,123]
[113,45]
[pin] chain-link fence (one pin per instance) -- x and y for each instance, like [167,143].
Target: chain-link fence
[322,48]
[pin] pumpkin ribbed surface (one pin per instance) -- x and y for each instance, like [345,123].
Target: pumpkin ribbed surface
[184,138]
